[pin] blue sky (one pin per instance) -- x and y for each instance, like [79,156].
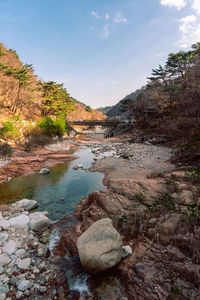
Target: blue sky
[101,50]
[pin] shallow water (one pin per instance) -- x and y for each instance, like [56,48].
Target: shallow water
[60,191]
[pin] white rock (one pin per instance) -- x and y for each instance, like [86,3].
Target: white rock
[3,237]
[24,264]
[10,247]
[28,204]
[126,250]
[4,260]
[23,285]
[20,221]
[38,221]
[4,224]
[44,171]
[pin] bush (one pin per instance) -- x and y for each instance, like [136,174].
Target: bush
[5,149]
[88,108]
[7,129]
[53,127]
[34,138]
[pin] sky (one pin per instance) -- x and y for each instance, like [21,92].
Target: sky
[102,50]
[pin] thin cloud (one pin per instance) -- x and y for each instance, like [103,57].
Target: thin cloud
[107,16]
[179,4]
[196,6]
[95,14]
[119,18]
[106,31]
[190,31]
[159,54]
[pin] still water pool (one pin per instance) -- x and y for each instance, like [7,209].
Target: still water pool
[60,191]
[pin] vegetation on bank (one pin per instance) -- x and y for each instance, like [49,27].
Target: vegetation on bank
[53,105]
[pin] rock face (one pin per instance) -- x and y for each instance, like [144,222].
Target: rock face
[100,246]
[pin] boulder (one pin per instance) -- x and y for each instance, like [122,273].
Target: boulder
[100,246]
[27,204]
[38,221]
[20,221]
[44,171]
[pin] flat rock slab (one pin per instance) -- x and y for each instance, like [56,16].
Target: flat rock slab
[27,204]
[20,221]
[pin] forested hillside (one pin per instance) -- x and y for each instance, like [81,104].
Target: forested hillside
[170,102]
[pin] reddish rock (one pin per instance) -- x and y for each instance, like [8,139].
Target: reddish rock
[4,208]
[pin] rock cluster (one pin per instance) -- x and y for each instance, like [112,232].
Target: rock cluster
[24,270]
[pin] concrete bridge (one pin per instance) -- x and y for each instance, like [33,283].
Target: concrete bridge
[94,122]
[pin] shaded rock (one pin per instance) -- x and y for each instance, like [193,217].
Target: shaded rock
[44,171]
[23,285]
[186,197]
[4,289]
[24,264]
[3,237]
[20,221]
[4,224]
[28,204]
[10,247]
[170,225]
[100,246]
[38,221]
[4,260]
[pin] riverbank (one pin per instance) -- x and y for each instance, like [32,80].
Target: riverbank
[23,162]
[155,207]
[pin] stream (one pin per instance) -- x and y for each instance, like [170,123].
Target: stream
[61,190]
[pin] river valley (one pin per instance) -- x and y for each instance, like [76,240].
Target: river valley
[110,179]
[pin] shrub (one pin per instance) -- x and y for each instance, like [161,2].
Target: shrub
[5,149]
[88,108]
[33,138]
[53,127]
[7,129]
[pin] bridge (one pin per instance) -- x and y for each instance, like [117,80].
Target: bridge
[94,122]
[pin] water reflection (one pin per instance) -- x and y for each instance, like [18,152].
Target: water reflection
[60,191]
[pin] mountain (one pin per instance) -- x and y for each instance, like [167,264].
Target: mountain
[105,109]
[116,109]
[20,91]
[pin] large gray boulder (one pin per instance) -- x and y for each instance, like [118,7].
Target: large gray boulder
[100,246]
[39,221]
[28,204]
[20,221]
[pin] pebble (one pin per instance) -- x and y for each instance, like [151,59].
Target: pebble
[4,260]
